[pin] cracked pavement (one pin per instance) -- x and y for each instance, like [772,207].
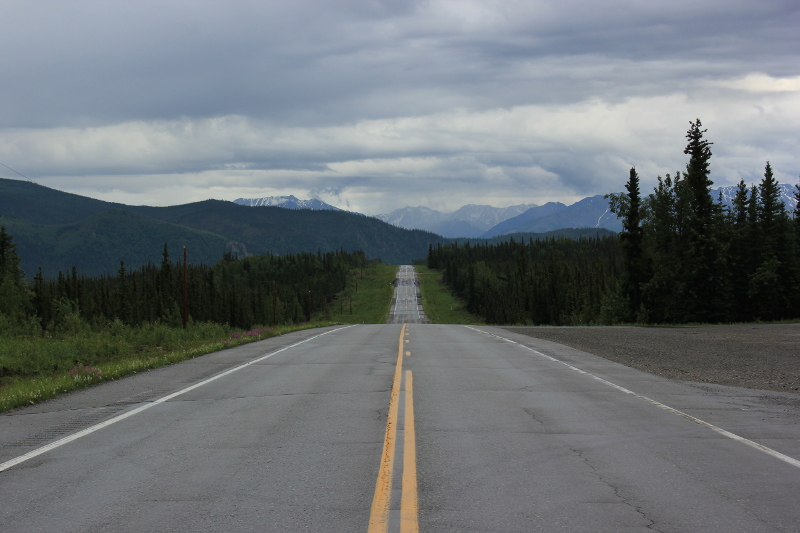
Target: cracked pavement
[508,440]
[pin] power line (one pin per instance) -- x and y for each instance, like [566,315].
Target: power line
[20,173]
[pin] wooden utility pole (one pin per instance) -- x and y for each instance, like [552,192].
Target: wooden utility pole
[274,304]
[184,288]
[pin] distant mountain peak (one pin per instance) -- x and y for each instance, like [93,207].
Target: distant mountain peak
[468,221]
[287,202]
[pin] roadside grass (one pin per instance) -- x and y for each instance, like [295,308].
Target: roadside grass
[438,303]
[35,368]
[367,299]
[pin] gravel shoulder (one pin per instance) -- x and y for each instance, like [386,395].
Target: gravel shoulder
[756,356]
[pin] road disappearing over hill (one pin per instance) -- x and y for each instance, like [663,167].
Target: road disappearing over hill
[407,301]
[424,427]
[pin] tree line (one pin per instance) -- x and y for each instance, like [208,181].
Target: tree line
[682,257]
[690,259]
[240,292]
[557,281]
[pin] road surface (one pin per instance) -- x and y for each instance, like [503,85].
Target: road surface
[407,301]
[397,427]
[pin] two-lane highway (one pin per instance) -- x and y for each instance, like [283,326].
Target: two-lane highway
[407,301]
[403,428]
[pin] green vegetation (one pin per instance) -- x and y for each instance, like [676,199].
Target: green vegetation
[240,293]
[439,304]
[96,244]
[35,368]
[38,363]
[75,331]
[557,281]
[569,233]
[367,298]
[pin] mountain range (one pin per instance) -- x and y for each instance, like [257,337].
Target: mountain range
[468,221]
[55,230]
[483,221]
[478,221]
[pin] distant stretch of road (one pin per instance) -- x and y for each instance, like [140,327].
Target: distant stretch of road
[407,301]
[402,427]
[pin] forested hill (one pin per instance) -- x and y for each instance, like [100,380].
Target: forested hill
[57,230]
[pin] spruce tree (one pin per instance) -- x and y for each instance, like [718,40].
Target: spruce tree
[629,207]
[15,296]
[664,226]
[772,272]
[697,173]
[703,272]
[740,253]
[795,256]
[770,210]
[123,294]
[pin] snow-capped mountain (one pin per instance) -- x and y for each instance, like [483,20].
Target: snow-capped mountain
[728,194]
[287,202]
[468,221]
[485,221]
[413,217]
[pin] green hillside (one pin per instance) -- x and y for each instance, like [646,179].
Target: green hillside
[98,243]
[278,230]
[57,230]
[36,203]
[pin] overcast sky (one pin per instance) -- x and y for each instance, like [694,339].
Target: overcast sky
[375,105]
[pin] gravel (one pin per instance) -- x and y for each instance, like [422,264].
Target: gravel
[756,356]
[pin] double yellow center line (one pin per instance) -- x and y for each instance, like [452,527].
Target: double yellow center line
[381,503]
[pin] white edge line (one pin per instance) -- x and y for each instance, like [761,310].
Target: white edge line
[75,436]
[778,455]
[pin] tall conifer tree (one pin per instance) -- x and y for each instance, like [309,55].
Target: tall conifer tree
[636,273]
[15,296]
[703,271]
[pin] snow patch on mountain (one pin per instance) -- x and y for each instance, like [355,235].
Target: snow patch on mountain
[287,202]
[727,194]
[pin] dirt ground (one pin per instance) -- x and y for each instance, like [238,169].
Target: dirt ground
[756,356]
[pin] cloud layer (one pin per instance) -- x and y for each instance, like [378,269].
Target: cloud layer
[376,105]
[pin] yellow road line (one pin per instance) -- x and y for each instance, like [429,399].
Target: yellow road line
[409,504]
[379,516]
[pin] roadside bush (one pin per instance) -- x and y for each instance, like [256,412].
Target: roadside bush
[67,318]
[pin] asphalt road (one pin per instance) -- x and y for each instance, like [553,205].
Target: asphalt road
[407,301]
[484,435]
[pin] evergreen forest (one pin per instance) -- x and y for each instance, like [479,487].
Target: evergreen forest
[682,257]
[558,281]
[238,292]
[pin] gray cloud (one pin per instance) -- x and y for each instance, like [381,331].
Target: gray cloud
[381,104]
